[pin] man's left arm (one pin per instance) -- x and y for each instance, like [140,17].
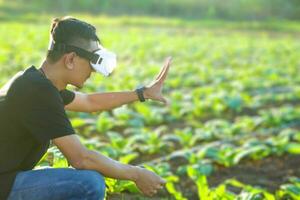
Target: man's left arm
[97,102]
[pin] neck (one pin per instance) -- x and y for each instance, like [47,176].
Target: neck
[52,73]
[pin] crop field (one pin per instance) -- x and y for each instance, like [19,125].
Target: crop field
[232,126]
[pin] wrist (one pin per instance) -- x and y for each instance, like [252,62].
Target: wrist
[134,173]
[140,93]
[146,96]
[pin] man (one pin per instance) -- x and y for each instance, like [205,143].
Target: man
[32,113]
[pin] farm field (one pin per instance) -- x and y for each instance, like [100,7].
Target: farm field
[232,126]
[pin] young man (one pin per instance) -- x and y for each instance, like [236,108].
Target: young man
[32,113]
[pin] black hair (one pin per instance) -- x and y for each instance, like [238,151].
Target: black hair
[68,30]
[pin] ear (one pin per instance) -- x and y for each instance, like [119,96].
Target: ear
[69,59]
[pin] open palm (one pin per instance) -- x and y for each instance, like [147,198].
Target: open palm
[154,89]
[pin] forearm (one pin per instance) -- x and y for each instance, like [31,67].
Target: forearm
[108,167]
[110,100]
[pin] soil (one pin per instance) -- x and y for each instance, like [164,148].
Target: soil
[268,173]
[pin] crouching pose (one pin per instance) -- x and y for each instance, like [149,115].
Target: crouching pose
[32,114]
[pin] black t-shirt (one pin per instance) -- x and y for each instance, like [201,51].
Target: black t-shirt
[31,114]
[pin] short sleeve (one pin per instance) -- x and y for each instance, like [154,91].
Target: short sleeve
[43,114]
[67,96]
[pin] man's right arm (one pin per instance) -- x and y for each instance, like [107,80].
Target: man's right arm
[82,158]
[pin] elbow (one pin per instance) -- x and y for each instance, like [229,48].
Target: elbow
[90,109]
[90,106]
[93,111]
[77,165]
[85,162]
[81,162]
[93,107]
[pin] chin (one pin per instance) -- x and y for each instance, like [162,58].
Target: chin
[79,86]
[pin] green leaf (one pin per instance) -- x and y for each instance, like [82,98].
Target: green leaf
[293,148]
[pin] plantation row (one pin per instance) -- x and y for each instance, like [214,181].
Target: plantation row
[234,105]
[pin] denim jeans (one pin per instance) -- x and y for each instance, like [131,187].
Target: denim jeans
[58,184]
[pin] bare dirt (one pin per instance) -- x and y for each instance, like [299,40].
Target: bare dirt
[268,173]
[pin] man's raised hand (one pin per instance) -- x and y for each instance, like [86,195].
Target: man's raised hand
[154,89]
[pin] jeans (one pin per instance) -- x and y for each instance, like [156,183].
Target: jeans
[58,184]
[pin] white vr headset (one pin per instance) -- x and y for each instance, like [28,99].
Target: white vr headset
[102,60]
[106,61]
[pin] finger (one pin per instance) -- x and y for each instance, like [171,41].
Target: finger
[162,70]
[167,62]
[149,194]
[167,103]
[165,71]
[159,187]
[164,100]
[163,181]
[165,68]
[153,192]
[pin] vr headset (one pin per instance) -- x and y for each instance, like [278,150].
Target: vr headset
[101,60]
